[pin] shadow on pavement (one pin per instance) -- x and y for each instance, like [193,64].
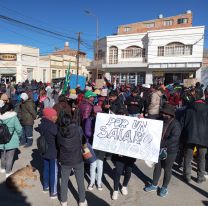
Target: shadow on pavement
[205,203]
[93,200]
[8,197]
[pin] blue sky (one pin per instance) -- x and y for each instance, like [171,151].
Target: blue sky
[68,17]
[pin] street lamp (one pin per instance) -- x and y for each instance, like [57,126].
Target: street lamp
[91,14]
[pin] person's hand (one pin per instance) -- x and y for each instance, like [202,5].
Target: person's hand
[141,116]
[107,106]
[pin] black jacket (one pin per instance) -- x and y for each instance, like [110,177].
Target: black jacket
[114,106]
[195,123]
[49,130]
[171,139]
[136,107]
[69,143]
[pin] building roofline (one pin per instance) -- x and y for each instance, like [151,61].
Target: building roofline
[20,45]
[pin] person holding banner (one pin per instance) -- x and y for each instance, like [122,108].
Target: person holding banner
[168,152]
[122,164]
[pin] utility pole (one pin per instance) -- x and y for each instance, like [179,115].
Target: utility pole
[78,51]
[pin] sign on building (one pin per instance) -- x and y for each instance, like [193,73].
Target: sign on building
[128,136]
[8,57]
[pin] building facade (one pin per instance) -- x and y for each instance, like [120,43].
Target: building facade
[160,52]
[18,63]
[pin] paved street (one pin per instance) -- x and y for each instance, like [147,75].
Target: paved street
[179,192]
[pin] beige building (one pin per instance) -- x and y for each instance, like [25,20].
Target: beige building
[56,64]
[18,63]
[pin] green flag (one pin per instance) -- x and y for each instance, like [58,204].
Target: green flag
[66,82]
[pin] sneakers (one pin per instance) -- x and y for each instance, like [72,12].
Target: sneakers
[53,196]
[151,188]
[2,171]
[90,187]
[83,203]
[46,190]
[163,192]
[100,188]
[115,195]
[63,203]
[201,179]
[124,191]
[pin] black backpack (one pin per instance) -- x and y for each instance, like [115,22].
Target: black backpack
[42,144]
[5,135]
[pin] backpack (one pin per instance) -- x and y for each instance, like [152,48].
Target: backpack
[42,145]
[5,135]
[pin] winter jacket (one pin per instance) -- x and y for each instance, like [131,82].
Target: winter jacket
[49,101]
[27,113]
[62,106]
[86,107]
[171,138]
[89,132]
[115,106]
[195,123]
[69,144]
[154,107]
[174,99]
[101,100]
[49,131]
[134,104]
[15,128]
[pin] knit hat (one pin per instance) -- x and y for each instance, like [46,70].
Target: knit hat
[4,97]
[49,113]
[24,96]
[97,91]
[89,94]
[135,90]
[168,109]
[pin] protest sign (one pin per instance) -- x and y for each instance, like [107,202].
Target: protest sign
[128,136]
[99,83]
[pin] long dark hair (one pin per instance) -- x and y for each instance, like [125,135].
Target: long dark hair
[6,108]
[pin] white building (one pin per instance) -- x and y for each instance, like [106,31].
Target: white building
[18,63]
[153,55]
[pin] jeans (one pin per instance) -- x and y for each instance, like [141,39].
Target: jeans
[50,175]
[7,157]
[79,175]
[188,156]
[167,164]
[134,115]
[120,168]
[99,165]
[27,135]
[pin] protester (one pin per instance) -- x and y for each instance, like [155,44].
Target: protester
[48,129]
[69,143]
[49,101]
[27,115]
[134,103]
[195,128]
[98,164]
[9,117]
[124,165]
[169,146]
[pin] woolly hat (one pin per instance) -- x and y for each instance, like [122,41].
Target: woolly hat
[168,109]
[89,94]
[4,97]
[24,96]
[97,91]
[49,113]
[113,93]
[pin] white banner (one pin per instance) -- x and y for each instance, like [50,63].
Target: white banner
[128,136]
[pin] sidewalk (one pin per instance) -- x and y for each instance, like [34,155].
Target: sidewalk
[179,193]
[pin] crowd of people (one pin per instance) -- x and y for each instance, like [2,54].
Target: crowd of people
[67,122]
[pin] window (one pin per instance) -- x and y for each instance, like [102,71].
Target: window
[175,49]
[160,51]
[127,29]
[132,52]
[149,25]
[168,22]
[53,74]
[113,55]
[182,21]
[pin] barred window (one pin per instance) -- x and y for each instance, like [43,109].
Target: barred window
[175,49]
[113,55]
[132,52]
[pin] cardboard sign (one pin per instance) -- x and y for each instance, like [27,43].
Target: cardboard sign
[99,83]
[189,82]
[128,136]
